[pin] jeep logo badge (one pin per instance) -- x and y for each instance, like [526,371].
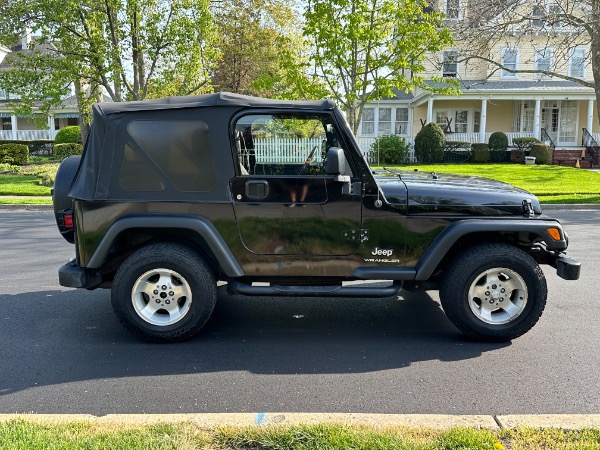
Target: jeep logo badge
[382,252]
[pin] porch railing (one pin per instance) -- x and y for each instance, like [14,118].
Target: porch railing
[546,139]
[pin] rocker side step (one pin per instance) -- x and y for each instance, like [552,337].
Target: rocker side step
[237,287]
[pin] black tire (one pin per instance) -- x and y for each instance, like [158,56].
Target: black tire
[178,306]
[493,292]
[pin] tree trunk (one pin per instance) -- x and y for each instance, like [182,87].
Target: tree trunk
[595,52]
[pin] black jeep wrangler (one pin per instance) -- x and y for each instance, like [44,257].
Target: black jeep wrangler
[275,198]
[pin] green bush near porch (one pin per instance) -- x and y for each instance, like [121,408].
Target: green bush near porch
[481,153]
[542,153]
[429,144]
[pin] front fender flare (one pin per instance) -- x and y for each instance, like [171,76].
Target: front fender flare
[453,232]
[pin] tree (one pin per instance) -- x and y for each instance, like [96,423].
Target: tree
[126,49]
[251,33]
[363,49]
[558,31]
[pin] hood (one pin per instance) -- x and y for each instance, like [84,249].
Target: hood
[448,194]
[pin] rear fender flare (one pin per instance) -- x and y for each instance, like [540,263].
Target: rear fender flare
[200,225]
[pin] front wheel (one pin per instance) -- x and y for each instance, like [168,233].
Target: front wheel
[164,293]
[493,292]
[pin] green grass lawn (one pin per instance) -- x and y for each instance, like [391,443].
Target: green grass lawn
[11,184]
[20,434]
[551,184]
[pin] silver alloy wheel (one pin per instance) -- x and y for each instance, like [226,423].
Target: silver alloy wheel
[498,296]
[161,297]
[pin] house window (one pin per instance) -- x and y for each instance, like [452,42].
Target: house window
[509,61]
[368,121]
[6,123]
[450,64]
[3,94]
[384,125]
[537,16]
[461,123]
[554,13]
[476,121]
[442,119]
[452,9]
[401,121]
[543,60]
[524,115]
[577,63]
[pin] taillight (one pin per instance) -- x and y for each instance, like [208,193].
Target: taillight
[68,220]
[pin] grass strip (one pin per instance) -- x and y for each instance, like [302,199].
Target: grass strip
[552,184]
[21,434]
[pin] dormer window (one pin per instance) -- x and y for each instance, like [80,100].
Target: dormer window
[450,64]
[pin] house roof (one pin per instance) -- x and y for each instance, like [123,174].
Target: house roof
[18,49]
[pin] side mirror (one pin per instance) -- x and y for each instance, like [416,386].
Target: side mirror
[336,161]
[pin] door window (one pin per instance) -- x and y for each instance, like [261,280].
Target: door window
[282,144]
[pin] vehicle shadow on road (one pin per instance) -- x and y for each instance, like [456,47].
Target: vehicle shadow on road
[53,337]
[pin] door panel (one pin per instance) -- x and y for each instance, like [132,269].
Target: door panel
[308,216]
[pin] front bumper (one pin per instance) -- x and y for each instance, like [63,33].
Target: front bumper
[568,268]
[71,275]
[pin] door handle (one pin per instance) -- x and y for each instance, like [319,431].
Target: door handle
[257,189]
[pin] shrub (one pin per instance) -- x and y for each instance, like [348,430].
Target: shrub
[525,143]
[498,141]
[429,144]
[517,156]
[542,153]
[36,147]
[450,146]
[391,149]
[481,153]
[16,154]
[65,150]
[68,135]
[498,156]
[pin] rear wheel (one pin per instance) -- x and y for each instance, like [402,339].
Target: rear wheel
[494,292]
[164,292]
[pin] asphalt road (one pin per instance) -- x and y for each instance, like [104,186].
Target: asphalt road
[63,351]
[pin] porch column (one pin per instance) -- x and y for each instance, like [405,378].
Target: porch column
[536,119]
[430,110]
[482,120]
[51,126]
[13,125]
[590,116]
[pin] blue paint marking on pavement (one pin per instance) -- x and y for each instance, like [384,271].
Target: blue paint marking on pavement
[260,417]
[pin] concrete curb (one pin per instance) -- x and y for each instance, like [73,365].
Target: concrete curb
[431,421]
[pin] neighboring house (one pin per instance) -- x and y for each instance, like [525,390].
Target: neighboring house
[521,105]
[14,127]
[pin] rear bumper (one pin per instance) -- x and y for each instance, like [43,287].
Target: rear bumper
[71,275]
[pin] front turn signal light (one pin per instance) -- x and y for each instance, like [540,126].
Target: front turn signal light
[554,233]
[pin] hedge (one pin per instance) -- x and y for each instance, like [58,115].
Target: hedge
[17,154]
[542,153]
[429,144]
[481,153]
[65,150]
[36,147]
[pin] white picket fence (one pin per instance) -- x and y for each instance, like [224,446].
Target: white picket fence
[278,150]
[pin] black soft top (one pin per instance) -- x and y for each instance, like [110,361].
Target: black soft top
[196,126]
[218,99]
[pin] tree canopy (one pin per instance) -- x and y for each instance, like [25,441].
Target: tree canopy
[556,31]
[363,49]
